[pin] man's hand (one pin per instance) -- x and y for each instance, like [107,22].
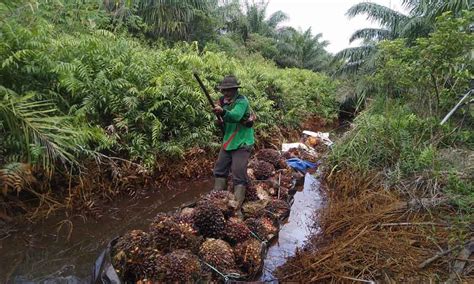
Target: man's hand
[218,123]
[218,110]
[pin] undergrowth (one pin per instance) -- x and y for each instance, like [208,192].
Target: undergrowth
[72,92]
[400,184]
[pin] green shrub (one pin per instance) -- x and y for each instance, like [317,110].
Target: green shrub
[461,193]
[144,99]
[432,72]
[387,137]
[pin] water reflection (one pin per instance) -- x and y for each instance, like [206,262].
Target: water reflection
[295,232]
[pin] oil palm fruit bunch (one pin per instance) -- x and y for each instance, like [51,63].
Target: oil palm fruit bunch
[251,193]
[250,174]
[284,193]
[180,266]
[307,156]
[168,235]
[269,187]
[267,227]
[130,252]
[209,220]
[222,199]
[269,155]
[152,267]
[253,225]
[281,164]
[186,215]
[286,178]
[263,170]
[291,153]
[277,209]
[254,209]
[263,227]
[248,256]
[236,231]
[262,190]
[218,254]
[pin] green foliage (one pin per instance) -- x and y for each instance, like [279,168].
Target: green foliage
[419,22]
[399,135]
[435,70]
[387,138]
[125,98]
[255,32]
[461,192]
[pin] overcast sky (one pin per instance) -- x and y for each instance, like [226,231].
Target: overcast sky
[326,17]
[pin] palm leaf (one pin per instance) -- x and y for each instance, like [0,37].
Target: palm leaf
[375,12]
[15,176]
[354,58]
[355,53]
[34,123]
[276,18]
[371,34]
[416,27]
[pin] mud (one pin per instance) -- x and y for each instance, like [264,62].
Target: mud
[65,250]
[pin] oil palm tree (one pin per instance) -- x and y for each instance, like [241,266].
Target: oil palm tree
[391,25]
[253,19]
[419,22]
[302,49]
[165,18]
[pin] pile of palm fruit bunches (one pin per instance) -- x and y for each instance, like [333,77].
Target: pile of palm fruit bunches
[208,241]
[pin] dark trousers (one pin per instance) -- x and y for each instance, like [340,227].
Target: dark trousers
[235,161]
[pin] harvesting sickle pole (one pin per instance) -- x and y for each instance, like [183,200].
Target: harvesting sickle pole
[219,118]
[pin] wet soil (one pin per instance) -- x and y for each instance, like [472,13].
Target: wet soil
[64,251]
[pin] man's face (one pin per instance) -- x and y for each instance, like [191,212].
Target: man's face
[228,93]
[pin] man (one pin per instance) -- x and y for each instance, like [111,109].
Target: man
[238,140]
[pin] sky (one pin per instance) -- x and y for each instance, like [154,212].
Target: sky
[327,17]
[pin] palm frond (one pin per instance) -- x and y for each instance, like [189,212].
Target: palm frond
[15,176]
[416,27]
[454,6]
[169,17]
[276,18]
[354,54]
[433,8]
[255,14]
[378,13]
[371,34]
[33,122]
[354,58]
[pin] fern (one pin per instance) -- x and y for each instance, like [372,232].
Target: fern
[141,102]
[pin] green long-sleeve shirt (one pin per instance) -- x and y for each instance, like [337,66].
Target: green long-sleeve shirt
[237,135]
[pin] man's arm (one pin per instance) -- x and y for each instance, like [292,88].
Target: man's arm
[237,112]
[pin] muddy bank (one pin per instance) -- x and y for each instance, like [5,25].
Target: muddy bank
[69,247]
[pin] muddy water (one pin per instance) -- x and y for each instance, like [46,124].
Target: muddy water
[42,252]
[295,232]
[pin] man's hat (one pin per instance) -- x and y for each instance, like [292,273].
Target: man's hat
[229,82]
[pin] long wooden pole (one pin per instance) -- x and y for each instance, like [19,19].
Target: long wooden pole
[207,95]
[456,107]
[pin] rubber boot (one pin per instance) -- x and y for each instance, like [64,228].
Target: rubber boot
[220,183]
[239,193]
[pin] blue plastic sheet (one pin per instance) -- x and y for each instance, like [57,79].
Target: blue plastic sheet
[301,165]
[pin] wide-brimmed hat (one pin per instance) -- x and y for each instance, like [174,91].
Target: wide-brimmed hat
[229,82]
